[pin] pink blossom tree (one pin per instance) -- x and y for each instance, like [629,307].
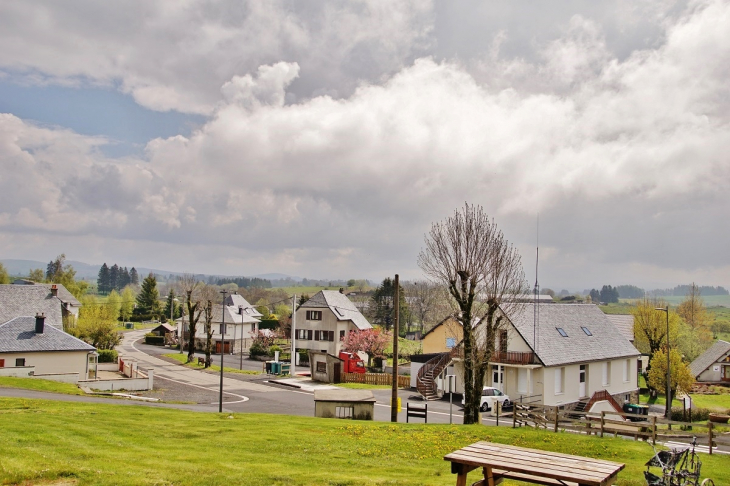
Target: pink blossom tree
[370,341]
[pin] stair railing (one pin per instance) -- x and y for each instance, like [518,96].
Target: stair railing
[426,377]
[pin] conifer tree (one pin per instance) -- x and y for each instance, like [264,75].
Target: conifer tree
[102,282]
[148,300]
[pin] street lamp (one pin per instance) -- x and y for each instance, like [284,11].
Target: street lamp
[668,408]
[182,329]
[223,337]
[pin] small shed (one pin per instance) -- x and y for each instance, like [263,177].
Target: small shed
[713,366]
[348,404]
[324,367]
[162,329]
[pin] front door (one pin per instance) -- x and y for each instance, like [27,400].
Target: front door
[582,386]
[497,378]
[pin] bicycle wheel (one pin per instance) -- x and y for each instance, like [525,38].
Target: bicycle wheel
[708,482]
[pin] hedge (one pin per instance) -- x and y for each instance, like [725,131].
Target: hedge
[156,340]
[269,324]
[107,355]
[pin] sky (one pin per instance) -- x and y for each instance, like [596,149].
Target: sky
[323,139]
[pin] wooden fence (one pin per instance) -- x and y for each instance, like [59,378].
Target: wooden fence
[651,428]
[375,379]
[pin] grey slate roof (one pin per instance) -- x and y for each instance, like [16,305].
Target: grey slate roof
[28,300]
[63,294]
[340,305]
[624,323]
[237,300]
[706,359]
[553,349]
[18,336]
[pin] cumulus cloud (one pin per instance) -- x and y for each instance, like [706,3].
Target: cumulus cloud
[624,158]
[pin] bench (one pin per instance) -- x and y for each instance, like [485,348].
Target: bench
[417,411]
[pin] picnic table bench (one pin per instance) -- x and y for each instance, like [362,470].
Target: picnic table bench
[501,461]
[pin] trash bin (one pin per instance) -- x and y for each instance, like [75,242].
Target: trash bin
[268,367]
[275,368]
[635,408]
[129,325]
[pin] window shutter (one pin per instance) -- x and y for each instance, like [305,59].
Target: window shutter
[309,334]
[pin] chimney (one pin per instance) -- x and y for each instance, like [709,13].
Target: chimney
[240,309]
[54,291]
[342,291]
[40,320]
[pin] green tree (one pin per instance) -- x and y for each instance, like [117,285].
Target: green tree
[127,307]
[170,303]
[133,277]
[36,275]
[148,300]
[384,309]
[114,302]
[650,327]
[4,276]
[681,378]
[103,284]
[97,324]
[59,272]
[693,310]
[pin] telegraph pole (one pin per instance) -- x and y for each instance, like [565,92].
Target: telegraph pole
[396,309]
[292,366]
[223,347]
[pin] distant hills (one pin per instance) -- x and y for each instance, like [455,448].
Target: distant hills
[90,272]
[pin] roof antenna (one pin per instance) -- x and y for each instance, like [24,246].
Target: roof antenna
[536,307]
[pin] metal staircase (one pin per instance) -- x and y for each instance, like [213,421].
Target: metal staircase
[431,369]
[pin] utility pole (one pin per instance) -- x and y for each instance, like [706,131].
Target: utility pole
[394,398]
[223,347]
[293,365]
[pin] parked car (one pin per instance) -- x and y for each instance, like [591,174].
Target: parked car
[489,396]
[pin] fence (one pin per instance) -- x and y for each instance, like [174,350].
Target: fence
[614,423]
[375,379]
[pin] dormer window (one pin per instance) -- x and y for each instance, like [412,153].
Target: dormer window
[587,331]
[562,331]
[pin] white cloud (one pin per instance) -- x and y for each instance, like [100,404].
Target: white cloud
[616,154]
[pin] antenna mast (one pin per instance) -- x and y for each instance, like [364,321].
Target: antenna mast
[536,307]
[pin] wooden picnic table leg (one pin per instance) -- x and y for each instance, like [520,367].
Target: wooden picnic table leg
[488,476]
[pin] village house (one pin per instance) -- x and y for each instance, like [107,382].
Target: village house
[713,366]
[561,359]
[325,319]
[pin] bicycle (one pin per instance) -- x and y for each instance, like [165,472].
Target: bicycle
[679,468]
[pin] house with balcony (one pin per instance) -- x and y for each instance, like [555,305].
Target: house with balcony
[325,319]
[568,355]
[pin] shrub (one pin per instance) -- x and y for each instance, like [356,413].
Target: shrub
[107,356]
[698,414]
[274,348]
[303,356]
[153,339]
[269,324]
[257,350]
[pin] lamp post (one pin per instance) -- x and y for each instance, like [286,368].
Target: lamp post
[668,408]
[182,329]
[223,337]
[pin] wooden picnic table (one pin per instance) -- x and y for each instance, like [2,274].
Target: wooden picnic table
[501,461]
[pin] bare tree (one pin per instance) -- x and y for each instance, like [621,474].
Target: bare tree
[483,273]
[423,298]
[190,287]
[208,295]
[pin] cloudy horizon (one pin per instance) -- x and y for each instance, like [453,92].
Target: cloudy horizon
[323,139]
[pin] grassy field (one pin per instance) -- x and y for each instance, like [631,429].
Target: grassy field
[40,385]
[47,442]
[182,358]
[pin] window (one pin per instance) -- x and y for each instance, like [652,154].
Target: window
[314,315]
[342,335]
[324,336]
[562,331]
[503,341]
[321,367]
[587,331]
[606,373]
[627,367]
[345,412]
[450,343]
[559,380]
[20,362]
[488,392]
[301,334]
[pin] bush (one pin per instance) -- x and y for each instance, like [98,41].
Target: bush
[155,340]
[107,355]
[303,356]
[257,350]
[698,414]
[269,324]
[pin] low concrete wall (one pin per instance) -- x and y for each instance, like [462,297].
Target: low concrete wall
[72,378]
[141,383]
[18,371]
[107,367]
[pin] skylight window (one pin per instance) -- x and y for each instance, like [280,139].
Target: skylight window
[587,331]
[562,331]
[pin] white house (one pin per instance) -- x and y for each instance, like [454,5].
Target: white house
[29,347]
[561,358]
[325,319]
[241,325]
[713,366]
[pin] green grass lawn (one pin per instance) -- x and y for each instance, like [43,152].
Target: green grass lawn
[40,385]
[182,358]
[716,403]
[78,443]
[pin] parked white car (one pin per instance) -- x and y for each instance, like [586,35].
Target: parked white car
[489,396]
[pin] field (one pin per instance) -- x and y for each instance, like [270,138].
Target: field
[48,442]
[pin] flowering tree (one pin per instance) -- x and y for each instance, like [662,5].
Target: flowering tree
[370,341]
